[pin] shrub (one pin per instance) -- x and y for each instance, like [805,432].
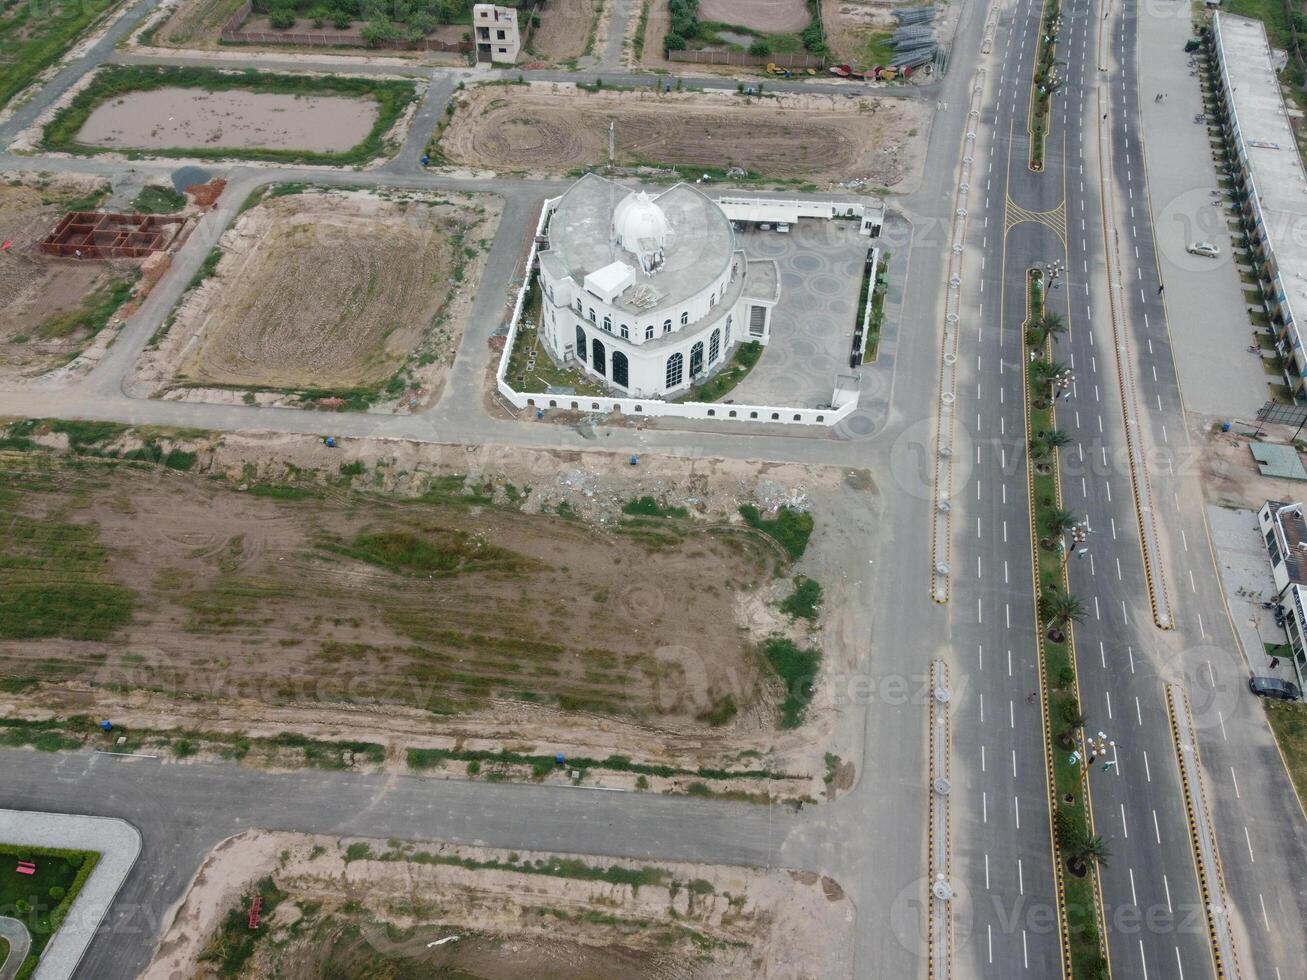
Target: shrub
[319,15]
[804,601]
[791,528]
[674,41]
[760,47]
[282,18]
[341,20]
[57,892]
[797,670]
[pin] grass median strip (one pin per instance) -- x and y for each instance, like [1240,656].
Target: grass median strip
[1077,850]
[1045,82]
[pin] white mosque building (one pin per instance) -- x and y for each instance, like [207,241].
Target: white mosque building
[648,294]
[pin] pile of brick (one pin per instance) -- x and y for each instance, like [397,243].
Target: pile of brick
[204,195]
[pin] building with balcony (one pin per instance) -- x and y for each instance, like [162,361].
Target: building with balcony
[495,33]
[1285,531]
[648,294]
[1270,184]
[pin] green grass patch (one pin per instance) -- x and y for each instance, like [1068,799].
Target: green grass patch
[1289,723]
[94,313]
[797,669]
[118,81]
[805,601]
[790,528]
[155,199]
[649,507]
[41,901]
[34,36]
[554,867]
[56,582]
[421,759]
[235,942]
[728,378]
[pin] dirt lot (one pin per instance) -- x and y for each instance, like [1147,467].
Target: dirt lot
[564,29]
[330,291]
[767,16]
[370,908]
[195,23]
[51,306]
[849,23]
[555,127]
[513,605]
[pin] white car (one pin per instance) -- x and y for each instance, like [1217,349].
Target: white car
[1206,249]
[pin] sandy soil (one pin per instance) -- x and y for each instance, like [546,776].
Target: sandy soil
[696,921]
[330,290]
[556,127]
[655,31]
[177,118]
[768,16]
[243,601]
[37,292]
[564,29]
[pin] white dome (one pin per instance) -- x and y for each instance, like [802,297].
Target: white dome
[640,226]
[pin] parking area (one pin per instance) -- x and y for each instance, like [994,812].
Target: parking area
[1246,578]
[821,265]
[1207,312]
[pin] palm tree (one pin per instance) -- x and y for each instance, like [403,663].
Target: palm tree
[1056,438]
[1060,609]
[1090,848]
[1052,325]
[1060,521]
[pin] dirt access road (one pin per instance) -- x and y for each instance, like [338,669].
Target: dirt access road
[358,907]
[767,16]
[332,291]
[555,127]
[564,30]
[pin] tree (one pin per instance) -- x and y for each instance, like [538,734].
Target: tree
[674,42]
[1060,521]
[1056,438]
[1088,849]
[1052,325]
[760,47]
[1061,608]
[319,15]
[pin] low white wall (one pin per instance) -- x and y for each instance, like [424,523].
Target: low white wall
[638,406]
[871,292]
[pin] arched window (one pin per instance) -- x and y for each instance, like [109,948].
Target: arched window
[592,314]
[619,369]
[578,305]
[727,338]
[648,332]
[580,344]
[715,347]
[626,332]
[685,317]
[673,371]
[597,356]
[608,323]
[696,359]
[712,300]
[667,326]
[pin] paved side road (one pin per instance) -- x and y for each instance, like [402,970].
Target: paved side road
[19,939]
[118,844]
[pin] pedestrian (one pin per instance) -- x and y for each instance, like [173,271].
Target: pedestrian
[1275,662]
[1159,289]
[1109,764]
[1031,698]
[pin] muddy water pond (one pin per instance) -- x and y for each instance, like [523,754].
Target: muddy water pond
[168,118]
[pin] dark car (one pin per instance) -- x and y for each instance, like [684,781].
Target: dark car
[1273,687]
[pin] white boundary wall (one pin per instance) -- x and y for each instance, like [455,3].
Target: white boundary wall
[643,406]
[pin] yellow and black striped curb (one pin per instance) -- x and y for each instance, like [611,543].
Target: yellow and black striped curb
[1030,108]
[938,932]
[1211,882]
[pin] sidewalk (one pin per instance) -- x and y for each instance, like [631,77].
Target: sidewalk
[1244,565]
[118,844]
[1205,305]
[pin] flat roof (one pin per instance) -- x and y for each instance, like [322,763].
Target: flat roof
[699,248]
[1272,152]
[763,280]
[1278,461]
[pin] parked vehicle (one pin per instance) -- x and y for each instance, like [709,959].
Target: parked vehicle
[1205,249]
[1273,687]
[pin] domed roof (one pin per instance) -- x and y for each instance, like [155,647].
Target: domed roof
[639,224]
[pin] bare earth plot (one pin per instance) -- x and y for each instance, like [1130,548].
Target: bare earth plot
[167,118]
[564,29]
[767,16]
[555,127]
[52,307]
[330,292]
[273,584]
[850,23]
[196,23]
[373,908]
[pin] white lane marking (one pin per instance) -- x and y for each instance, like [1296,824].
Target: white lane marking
[1148,773]
[1108,696]
[1125,830]
[1249,841]
[1235,779]
[1157,833]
